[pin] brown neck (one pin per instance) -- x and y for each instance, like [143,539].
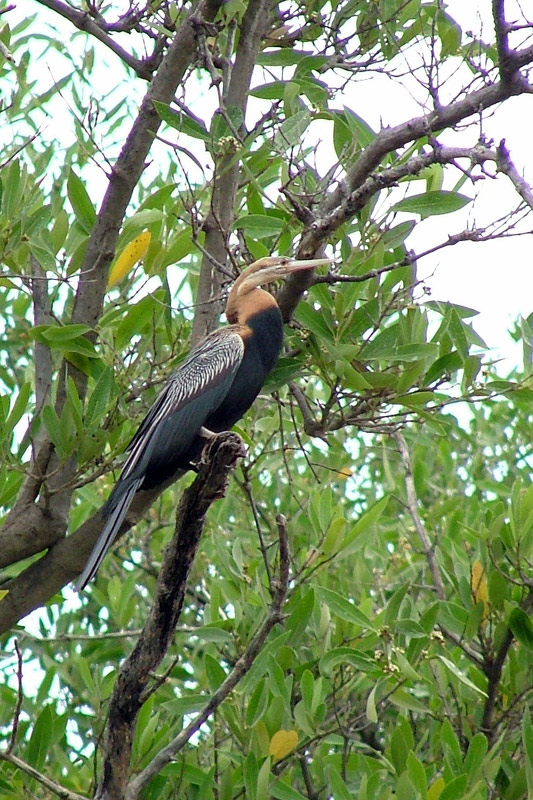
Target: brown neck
[241,306]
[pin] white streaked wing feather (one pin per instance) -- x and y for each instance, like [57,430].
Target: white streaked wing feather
[218,355]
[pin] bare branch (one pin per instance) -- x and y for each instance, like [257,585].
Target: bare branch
[222,213]
[242,665]
[427,546]
[412,504]
[135,672]
[52,786]
[143,67]
[18,706]
[506,166]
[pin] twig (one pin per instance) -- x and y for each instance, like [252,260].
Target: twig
[247,489]
[493,669]
[144,68]
[505,165]
[52,786]
[242,665]
[18,706]
[412,504]
[427,546]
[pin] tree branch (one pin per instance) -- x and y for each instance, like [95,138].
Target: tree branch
[493,669]
[135,672]
[242,665]
[64,560]
[227,167]
[52,786]
[427,546]
[505,165]
[333,211]
[143,67]
[412,505]
[30,527]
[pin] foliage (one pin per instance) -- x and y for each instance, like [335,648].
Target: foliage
[398,456]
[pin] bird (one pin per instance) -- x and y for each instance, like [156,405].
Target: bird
[208,392]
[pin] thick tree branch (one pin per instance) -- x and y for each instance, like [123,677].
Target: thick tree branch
[130,165]
[64,560]
[135,673]
[242,665]
[337,206]
[33,528]
[222,213]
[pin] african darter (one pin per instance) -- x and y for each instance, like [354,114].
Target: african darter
[215,385]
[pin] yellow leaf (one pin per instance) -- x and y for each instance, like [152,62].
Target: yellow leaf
[435,790]
[130,255]
[478,587]
[3,593]
[282,743]
[345,473]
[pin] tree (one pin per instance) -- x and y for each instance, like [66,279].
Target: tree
[356,618]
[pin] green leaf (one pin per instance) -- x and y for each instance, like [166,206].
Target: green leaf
[214,671]
[449,34]
[527,739]
[282,791]
[260,227]
[100,397]
[454,789]
[314,321]
[342,608]
[477,750]
[337,787]
[405,700]
[417,774]
[19,406]
[63,333]
[461,676]
[80,202]
[521,627]
[371,711]
[41,737]
[432,203]
[405,789]
[269,91]
[366,522]
[398,234]
[293,128]
[257,703]
[53,427]
[346,655]
[262,780]
[181,122]
[250,775]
